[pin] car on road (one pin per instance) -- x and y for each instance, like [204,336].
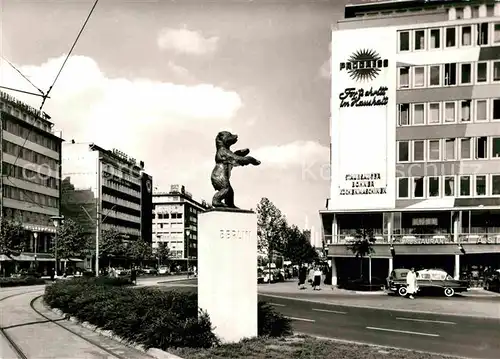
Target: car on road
[428,281]
[163,270]
[492,281]
[149,271]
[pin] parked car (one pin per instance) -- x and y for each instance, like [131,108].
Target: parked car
[428,280]
[492,280]
[149,270]
[163,270]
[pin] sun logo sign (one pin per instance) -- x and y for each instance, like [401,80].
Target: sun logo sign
[364,65]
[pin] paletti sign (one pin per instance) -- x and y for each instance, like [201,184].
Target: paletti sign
[364,66]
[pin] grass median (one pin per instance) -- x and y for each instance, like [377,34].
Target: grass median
[300,347]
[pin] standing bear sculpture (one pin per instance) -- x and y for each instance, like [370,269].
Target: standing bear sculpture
[225,160]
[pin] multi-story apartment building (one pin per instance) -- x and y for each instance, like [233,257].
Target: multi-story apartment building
[30,157]
[175,222]
[109,188]
[415,135]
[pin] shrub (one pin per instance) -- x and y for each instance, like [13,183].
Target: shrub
[271,323]
[149,317]
[18,282]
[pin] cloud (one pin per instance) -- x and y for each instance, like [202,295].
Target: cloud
[186,41]
[325,70]
[148,119]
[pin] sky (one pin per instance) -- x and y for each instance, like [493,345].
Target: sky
[159,79]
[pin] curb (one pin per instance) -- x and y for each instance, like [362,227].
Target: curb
[345,341]
[378,308]
[153,352]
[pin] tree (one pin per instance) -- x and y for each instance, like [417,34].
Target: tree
[297,248]
[71,241]
[139,251]
[362,245]
[13,238]
[111,244]
[162,253]
[270,224]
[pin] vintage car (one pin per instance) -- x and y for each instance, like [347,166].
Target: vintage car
[428,280]
[492,280]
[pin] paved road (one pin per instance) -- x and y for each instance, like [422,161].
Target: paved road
[452,335]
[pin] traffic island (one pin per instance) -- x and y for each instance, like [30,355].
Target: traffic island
[301,346]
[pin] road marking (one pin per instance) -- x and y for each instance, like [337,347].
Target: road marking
[425,320]
[277,305]
[403,331]
[329,311]
[302,319]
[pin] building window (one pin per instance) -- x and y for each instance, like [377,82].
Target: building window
[465,74]
[419,40]
[449,186]
[434,113]
[404,114]
[403,187]
[451,37]
[496,33]
[450,149]
[433,183]
[435,38]
[480,185]
[482,33]
[404,41]
[482,148]
[482,72]
[419,76]
[435,75]
[404,77]
[495,113]
[496,71]
[465,110]
[450,74]
[403,151]
[481,110]
[465,184]
[466,35]
[495,185]
[465,148]
[418,187]
[418,151]
[418,114]
[495,147]
[434,150]
[449,112]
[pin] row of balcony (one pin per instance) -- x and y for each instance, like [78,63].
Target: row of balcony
[443,238]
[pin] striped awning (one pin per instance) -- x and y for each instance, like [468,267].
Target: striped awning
[39,228]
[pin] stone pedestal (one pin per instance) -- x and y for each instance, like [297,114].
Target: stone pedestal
[227,272]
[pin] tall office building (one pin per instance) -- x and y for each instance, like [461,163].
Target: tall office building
[415,135]
[107,188]
[175,221]
[30,157]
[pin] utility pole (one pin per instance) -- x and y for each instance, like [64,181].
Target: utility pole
[98,215]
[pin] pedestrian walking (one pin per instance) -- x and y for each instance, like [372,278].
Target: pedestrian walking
[411,283]
[302,277]
[311,276]
[133,275]
[317,278]
[52,274]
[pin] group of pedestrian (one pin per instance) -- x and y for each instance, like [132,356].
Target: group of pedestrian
[315,275]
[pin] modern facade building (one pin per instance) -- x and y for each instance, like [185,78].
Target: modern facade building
[30,157]
[175,222]
[415,135]
[106,190]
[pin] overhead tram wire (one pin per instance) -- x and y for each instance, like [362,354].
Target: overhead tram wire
[24,77]
[45,96]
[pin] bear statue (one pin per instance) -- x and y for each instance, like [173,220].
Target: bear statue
[225,160]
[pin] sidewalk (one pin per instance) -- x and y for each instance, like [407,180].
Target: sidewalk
[153,281]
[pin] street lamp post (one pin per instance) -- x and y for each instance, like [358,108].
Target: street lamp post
[188,233]
[35,236]
[56,220]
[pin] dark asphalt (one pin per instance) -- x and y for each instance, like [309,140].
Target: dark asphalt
[451,335]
